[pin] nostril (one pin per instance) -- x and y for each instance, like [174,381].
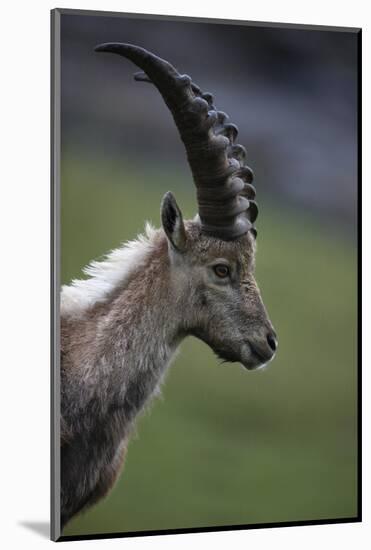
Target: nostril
[272,341]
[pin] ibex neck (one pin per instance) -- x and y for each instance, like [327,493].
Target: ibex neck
[115,354]
[139,330]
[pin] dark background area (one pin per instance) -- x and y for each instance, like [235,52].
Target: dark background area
[291,92]
[225,446]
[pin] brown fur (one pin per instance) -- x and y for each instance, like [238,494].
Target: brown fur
[115,353]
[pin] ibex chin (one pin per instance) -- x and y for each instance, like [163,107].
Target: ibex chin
[121,326]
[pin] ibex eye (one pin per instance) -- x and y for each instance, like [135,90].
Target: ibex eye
[221,271]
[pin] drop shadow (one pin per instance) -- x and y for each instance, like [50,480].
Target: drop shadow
[42,528]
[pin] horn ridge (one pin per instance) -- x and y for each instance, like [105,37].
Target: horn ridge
[225,196]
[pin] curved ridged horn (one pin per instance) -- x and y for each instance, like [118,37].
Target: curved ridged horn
[224,193]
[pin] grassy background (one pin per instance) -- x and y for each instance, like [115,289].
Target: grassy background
[224,446]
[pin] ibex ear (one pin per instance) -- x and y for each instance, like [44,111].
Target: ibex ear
[172,222]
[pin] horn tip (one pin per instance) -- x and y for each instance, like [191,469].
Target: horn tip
[101,47]
[110,47]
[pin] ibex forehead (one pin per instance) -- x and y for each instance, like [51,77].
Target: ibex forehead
[206,247]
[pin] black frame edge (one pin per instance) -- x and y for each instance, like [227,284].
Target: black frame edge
[359,272]
[226,528]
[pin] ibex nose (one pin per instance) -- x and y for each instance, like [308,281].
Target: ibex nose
[265,346]
[272,341]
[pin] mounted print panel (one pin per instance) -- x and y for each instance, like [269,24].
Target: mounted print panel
[205,187]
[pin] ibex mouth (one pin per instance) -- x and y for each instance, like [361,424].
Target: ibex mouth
[249,356]
[253,357]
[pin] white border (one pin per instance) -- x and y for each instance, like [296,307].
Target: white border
[24,271]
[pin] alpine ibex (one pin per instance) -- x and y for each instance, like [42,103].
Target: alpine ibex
[121,326]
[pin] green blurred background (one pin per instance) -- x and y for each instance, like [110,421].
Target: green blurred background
[224,446]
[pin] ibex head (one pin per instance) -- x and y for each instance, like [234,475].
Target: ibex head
[212,256]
